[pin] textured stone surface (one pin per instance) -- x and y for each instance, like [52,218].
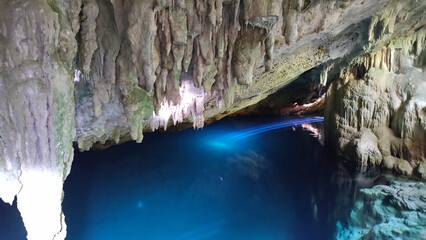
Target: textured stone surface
[37,47]
[376,110]
[144,64]
[393,211]
[305,95]
[147,49]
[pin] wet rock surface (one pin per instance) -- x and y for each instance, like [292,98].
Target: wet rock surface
[396,210]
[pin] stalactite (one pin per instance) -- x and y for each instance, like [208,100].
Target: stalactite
[324,74]
[92,71]
[191,104]
[374,94]
[204,45]
[89,44]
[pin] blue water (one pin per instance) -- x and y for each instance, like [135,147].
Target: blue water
[11,225]
[237,179]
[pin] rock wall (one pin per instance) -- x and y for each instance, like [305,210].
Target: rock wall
[376,110]
[37,47]
[303,96]
[139,60]
[92,71]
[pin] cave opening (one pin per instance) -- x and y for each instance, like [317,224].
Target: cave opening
[314,117]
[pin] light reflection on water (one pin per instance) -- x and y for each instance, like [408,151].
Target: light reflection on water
[235,179]
[272,126]
[229,141]
[239,179]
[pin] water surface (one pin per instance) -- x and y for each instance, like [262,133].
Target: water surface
[235,179]
[239,179]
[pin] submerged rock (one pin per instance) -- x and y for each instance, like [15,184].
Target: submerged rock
[393,211]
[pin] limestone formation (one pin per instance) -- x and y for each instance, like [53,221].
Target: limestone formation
[37,110]
[393,211]
[376,109]
[92,71]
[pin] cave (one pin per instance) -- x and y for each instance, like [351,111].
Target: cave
[212,119]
